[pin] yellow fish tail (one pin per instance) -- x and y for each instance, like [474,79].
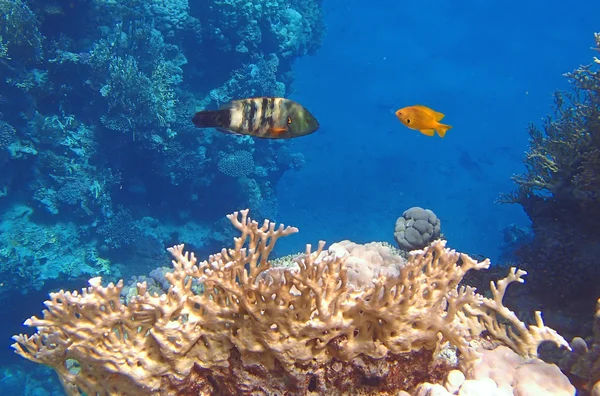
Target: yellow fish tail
[441,129]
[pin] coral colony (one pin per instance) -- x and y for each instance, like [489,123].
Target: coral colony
[352,318]
[95,128]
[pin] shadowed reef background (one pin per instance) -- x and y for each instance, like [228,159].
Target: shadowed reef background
[102,168]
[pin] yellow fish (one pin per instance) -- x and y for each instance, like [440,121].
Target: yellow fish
[423,119]
[263,117]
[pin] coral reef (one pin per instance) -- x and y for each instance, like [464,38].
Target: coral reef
[95,121]
[31,254]
[416,228]
[351,317]
[30,381]
[20,39]
[560,192]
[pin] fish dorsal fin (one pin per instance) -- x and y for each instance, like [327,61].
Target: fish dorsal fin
[438,116]
[226,106]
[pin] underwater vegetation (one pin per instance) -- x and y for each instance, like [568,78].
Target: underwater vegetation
[560,192]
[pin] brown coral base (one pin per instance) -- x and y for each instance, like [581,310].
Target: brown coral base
[362,376]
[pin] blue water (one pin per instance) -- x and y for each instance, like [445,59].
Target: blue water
[491,67]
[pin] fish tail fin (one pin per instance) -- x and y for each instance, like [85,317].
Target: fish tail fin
[212,119]
[441,129]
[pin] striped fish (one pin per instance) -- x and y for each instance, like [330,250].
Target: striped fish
[269,118]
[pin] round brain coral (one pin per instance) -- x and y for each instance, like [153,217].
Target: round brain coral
[416,228]
[238,164]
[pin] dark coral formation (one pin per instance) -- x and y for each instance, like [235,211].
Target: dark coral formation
[560,192]
[582,364]
[362,375]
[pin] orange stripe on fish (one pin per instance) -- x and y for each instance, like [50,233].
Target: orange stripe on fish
[277,130]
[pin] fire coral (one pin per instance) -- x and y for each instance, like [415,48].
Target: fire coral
[353,317]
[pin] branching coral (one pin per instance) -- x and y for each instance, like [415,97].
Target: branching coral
[144,70]
[20,39]
[69,178]
[254,319]
[561,162]
[135,99]
[560,192]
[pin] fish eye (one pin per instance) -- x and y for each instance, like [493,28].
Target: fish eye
[289,120]
[408,120]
